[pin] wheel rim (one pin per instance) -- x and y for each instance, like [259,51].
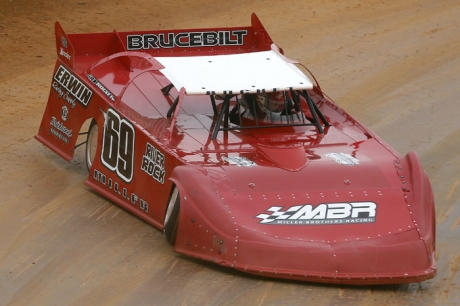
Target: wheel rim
[91,145]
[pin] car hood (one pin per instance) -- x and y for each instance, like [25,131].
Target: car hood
[334,193]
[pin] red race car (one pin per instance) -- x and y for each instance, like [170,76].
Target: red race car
[219,140]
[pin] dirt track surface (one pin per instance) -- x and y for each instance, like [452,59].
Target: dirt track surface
[394,65]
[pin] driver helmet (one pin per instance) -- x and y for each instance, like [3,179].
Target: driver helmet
[273,101]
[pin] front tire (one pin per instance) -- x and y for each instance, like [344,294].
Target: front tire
[171,222]
[91,144]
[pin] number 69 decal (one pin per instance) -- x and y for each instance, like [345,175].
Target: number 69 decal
[118,145]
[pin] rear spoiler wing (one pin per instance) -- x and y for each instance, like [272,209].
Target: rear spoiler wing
[186,42]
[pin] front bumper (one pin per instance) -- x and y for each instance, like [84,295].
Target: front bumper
[394,259]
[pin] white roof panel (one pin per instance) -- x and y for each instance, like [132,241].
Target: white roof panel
[235,73]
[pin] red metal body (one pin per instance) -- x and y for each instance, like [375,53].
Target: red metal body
[337,206]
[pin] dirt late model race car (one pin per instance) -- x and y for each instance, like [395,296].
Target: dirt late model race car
[219,140]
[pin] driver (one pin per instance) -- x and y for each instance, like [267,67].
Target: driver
[266,106]
[273,101]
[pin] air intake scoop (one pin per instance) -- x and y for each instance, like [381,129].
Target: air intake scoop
[289,157]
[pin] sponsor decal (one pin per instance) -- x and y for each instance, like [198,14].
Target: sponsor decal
[64,113]
[62,94]
[65,54]
[123,192]
[153,163]
[186,39]
[239,161]
[325,213]
[59,135]
[101,87]
[73,85]
[64,42]
[59,130]
[118,145]
[343,159]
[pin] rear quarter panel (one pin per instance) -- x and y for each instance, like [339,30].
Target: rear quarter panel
[71,102]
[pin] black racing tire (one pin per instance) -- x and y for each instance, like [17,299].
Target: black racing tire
[171,222]
[91,144]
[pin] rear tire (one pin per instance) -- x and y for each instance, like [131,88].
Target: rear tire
[91,144]
[171,222]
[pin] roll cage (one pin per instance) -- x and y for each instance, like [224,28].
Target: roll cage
[302,112]
[296,116]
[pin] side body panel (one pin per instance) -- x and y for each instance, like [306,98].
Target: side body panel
[131,167]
